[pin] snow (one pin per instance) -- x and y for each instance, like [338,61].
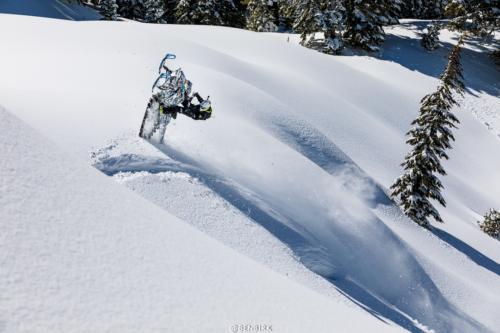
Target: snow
[291,171]
[58,9]
[80,253]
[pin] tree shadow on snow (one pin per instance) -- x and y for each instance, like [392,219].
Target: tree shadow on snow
[473,254]
[319,149]
[480,72]
[383,294]
[374,306]
[302,243]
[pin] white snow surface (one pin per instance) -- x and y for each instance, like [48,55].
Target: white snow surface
[291,171]
[80,253]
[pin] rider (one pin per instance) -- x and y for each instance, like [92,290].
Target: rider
[200,111]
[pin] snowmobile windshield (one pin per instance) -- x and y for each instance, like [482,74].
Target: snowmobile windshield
[174,88]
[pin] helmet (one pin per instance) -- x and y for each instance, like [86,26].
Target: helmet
[206,106]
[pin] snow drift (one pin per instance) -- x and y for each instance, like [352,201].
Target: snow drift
[80,253]
[302,144]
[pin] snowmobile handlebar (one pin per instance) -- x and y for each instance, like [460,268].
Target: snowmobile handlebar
[162,76]
[198,97]
[169,56]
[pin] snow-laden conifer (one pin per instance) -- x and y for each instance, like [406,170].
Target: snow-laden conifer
[391,11]
[480,17]
[485,15]
[259,17]
[154,11]
[434,9]
[412,8]
[318,22]
[286,14]
[430,39]
[424,9]
[363,24]
[208,12]
[491,224]
[430,138]
[183,11]
[233,13]
[108,9]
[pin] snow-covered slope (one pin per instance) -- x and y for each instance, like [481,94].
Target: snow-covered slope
[80,253]
[58,9]
[300,153]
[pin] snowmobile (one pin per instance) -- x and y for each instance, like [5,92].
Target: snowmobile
[171,95]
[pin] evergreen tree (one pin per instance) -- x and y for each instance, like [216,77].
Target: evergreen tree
[424,9]
[486,16]
[391,11]
[308,16]
[183,11]
[286,14]
[430,138]
[233,13]
[434,9]
[491,224]
[456,9]
[153,11]
[480,17]
[363,24]
[208,12]
[315,16]
[260,17]
[430,39]
[108,9]
[412,8]
[131,9]
[169,6]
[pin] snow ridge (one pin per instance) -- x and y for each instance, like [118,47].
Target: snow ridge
[80,253]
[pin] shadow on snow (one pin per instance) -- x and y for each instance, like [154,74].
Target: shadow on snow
[381,293]
[478,66]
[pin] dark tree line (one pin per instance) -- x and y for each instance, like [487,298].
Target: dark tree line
[324,25]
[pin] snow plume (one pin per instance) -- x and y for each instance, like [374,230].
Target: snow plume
[80,253]
[335,233]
